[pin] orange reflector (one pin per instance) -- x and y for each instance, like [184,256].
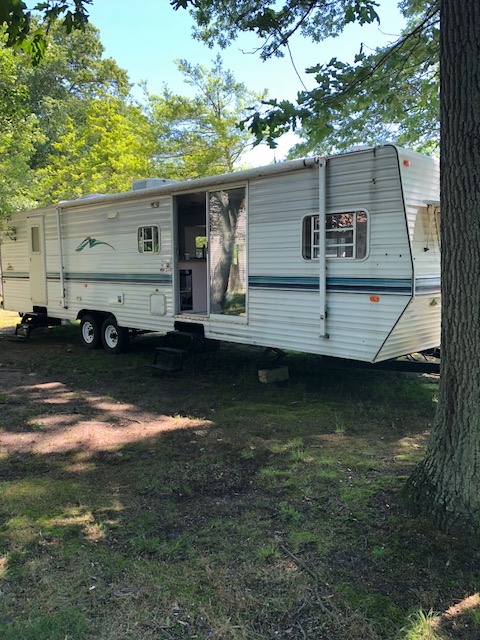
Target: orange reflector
[374,298]
[406,163]
[85,286]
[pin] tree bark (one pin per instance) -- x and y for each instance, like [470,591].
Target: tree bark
[230,202]
[446,484]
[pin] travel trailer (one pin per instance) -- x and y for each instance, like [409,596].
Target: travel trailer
[335,255]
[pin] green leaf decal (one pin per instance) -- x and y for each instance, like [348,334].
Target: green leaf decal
[91,242]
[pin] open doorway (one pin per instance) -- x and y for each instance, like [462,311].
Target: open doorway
[192,252]
[212,262]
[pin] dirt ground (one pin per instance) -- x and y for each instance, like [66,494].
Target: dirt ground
[59,399]
[65,420]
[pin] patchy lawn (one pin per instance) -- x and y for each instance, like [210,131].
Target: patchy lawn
[207,505]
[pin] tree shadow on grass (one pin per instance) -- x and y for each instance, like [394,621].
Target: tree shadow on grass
[175,507]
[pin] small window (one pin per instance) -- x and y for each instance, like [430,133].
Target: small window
[311,237]
[148,239]
[345,235]
[35,239]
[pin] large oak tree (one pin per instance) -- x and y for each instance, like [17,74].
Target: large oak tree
[446,485]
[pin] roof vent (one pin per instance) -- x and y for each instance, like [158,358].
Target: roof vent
[150,183]
[359,147]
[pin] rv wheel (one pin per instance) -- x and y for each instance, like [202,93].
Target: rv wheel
[90,331]
[114,338]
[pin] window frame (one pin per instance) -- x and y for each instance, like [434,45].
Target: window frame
[35,240]
[214,314]
[142,242]
[314,246]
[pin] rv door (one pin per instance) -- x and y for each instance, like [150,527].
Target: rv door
[227,226]
[36,252]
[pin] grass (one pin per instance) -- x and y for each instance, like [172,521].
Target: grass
[262,512]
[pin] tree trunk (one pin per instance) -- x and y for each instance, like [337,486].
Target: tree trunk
[446,484]
[229,203]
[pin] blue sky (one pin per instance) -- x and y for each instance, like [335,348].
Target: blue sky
[146,40]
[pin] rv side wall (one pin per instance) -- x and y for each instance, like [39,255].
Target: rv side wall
[283,296]
[119,258]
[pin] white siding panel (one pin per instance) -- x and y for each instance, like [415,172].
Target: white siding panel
[99,274]
[277,207]
[290,319]
[417,330]
[16,262]
[420,180]
[370,180]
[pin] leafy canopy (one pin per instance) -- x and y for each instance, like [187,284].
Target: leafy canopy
[69,126]
[105,155]
[199,136]
[18,135]
[391,95]
[30,36]
[388,95]
[72,73]
[220,22]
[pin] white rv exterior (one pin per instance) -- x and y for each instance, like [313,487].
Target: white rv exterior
[337,256]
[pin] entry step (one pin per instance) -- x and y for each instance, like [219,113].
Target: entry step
[168,359]
[191,341]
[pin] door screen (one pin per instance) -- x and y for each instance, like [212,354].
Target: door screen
[228,220]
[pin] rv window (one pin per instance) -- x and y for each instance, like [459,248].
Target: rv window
[345,235]
[148,239]
[35,239]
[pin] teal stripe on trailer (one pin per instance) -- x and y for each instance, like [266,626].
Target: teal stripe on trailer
[115,278]
[370,285]
[346,285]
[427,285]
[15,275]
[283,282]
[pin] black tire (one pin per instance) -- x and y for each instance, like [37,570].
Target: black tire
[91,331]
[114,338]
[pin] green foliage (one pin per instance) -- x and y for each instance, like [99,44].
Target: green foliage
[43,106]
[30,35]
[200,136]
[18,135]
[68,126]
[220,23]
[104,143]
[73,72]
[390,95]
[104,154]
